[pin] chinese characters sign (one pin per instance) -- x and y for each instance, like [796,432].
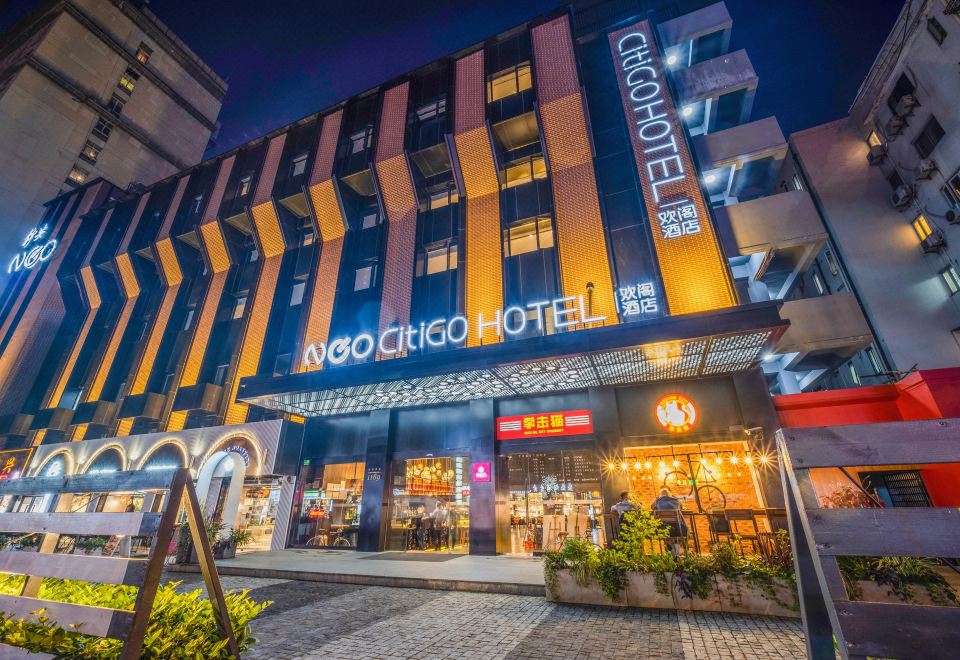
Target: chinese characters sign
[637,300]
[13,462]
[676,413]
[694,272]
[570,422]
[37,248]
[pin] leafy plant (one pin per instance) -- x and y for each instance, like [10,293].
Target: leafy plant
[900,574]
[240,537]
[846,497]
[90,543]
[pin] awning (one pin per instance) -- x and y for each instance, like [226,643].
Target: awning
[672,348]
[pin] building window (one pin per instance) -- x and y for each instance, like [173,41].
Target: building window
[361,140]
[363,278]
[437,258]
[528,236]
[525,172]
[90,152]
[894,179]
[298,165]
[797,182]
[238,307]
[103,129]
[307,238]
[951,278]
[370,220]
[143,53]
[854,376]
[128,80]
[928,138]
[433,109]
[875,360]
[189,319]
[253,255]
[441,198]
[952,190]
[832,262]
[509,82]
[922,227]
[874,140]
[78,174]
[901,89]
[936,30]
[245,183]
[115,105]
[296,293]
[818,284]
[195,204]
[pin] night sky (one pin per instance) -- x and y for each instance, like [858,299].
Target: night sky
[285,59]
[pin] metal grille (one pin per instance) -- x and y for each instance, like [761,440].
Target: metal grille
[953,7]
[904,488]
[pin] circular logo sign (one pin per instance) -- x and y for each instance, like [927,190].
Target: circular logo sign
[676,413]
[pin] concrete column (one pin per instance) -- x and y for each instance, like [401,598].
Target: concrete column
[756,408]
[374,503]
[606,431]
[483,495]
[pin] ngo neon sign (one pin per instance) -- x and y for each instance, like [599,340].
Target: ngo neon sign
[35,251]
[561,313]
[676,413]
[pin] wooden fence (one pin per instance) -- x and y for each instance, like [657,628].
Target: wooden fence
[174,486]
[819,536]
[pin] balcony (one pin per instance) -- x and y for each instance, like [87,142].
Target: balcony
[823,331]
[744,159]
[721,90]
[204,397]
[54,419]
[698,35]
[146,406]
[96,413]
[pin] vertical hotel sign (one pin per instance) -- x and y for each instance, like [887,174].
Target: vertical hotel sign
[695,275]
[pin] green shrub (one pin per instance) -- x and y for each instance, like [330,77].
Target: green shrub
[181,624]
[900,574]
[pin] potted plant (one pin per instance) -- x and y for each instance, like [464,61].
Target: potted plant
[237,538]
[89,545]
[30,543]
[214,528]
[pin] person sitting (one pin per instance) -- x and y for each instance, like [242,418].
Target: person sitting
[623,505]
[676,525]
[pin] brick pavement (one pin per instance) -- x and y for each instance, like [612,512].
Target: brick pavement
[346,622]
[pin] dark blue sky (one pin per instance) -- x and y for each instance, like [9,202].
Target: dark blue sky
[285,59]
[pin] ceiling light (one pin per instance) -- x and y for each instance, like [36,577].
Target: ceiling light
[671,59]
[710,178]
[687,110]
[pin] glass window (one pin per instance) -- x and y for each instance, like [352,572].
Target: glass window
[299,165]
[245,184]
[525,172]
[874,140]
[509,82]
[797,182]
[875,360]
[936,30]
[296,293]
[441,198]
[929,137]
[90,152]
[437,258]
[430,504]
[818,284]
[370,220]
[238,307]
[102,129]
[854,376]
[330,498]
[360,140]
[307,238]
[901,89]
[363,278]
[951,278]
[128,80]
[78,174]
[115,105]
[189,320]
[527,236]
[832,262]
[143,53]
[433,109]
[894,179]
[922,227]
[195,205]
[253,255]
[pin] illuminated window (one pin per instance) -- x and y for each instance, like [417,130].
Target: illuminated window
[929,137]
[936,30]
[307,238]
[370,220]
[525,172]
[78,174]
[115,105]
[818,284]
[103,129]
[363,278]
[797,182]
[875,360]
[253,255]
[90,152]
[143,53]
[951,191]
[437,258]
[832,262]
[854,376]
[951,278]
[442,198]
[296,293]
[509,82]
[239,307]
[922,227]
[874,140]
[245,184]
[128,80]
[298,165]
[528,236]
[360,140]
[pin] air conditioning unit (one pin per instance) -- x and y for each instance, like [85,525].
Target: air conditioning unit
[906,104]
[895,126]
[953,216]
[935,242]
[902,196]
[925,168]
[877,154]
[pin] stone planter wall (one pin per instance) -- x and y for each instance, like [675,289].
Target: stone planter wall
[641,591]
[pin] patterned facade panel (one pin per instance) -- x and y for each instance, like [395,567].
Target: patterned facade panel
[268,173]
[266,224]
[326,148]
[128,278]
[219,188]
[393,122]
[214,246]
[324,291]
[483,266]
[326,209]
[172,209]
[169,264]
[581,241]
[694,271]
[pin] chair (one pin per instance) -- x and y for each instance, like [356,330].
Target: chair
[673,519]
[718,525]
[735,516]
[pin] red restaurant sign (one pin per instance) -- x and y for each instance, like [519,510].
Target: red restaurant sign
[569,422]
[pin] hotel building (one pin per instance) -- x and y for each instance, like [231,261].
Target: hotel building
[516,282]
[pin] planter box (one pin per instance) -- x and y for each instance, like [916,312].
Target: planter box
[876,593]
[641,591]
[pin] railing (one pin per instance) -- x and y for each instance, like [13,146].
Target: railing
[174,486]
[819,536]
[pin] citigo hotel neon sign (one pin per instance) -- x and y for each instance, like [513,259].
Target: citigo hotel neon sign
[565,312]
[35,251]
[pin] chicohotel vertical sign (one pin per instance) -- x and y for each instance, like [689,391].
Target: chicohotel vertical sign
[695,275]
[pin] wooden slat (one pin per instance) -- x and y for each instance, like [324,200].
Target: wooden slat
[110,570]
[86,524]
[107,482]
[911,532]
[874,444]
[8,652]
[891,630]
[96,621]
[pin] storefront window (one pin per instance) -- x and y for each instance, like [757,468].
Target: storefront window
[430,505]
[257,512]
[553,496]
[330,505]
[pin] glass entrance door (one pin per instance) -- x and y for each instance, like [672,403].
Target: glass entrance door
[430,505]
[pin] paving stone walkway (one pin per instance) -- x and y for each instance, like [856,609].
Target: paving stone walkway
[349,622]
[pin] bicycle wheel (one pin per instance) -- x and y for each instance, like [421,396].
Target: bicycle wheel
[678,483]
[711,497]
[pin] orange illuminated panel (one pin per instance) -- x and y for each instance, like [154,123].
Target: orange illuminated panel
[581,241]
[483,266]
[92,295]
[123,427]
[695,274]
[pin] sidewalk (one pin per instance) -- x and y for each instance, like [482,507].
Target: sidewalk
[449,572]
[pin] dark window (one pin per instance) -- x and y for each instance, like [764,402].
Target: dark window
[902,88]
[928,138]
[936,30]
[102,129]
[143,53]
[115,105]
[894,179]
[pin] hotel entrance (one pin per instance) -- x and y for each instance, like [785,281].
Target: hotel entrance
[430,505]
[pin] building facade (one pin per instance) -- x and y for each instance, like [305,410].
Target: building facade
[88,89]
[479,301]
[886,182]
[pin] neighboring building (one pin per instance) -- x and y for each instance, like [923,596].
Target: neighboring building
[94,88]
[509,280]
[887,182]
